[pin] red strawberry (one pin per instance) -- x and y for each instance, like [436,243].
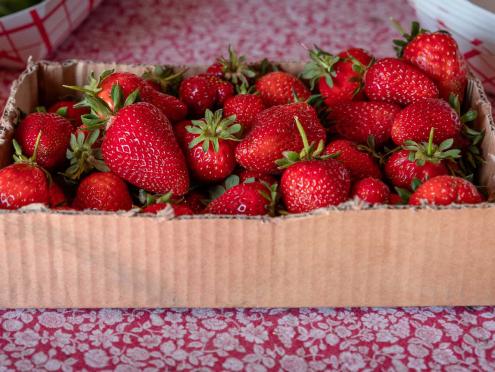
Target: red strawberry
[68,111]
[215,69]
[245,107]
[274,131]
[245,175]
[416,120]
[397,81]
[173,109]
[57,197]
[210,153]
[279,88]
[195,201]
[55,137]
[312,180]
[104,192]
[140,147]
[22,184]
[437,54]
[156,203]
[223,88]
[198,94]
[243,199]
[395,199]
[401,171]
[357,121]
[361,164]
[340,78]
[129,83]
[314,184]
[371,190]
[444,190]
[181,133]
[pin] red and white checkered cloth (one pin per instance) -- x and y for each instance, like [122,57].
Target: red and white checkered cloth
[188,31]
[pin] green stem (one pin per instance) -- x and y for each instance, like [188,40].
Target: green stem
[302,133]
[429,149]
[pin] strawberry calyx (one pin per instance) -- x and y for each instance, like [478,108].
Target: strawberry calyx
[405,194]
[83,156]
[100,112]
[370,148]
[271,194]
[321,66]
[19,157]
[308,152]
[94,83]
[236,69]
[400,44]
[213,128]
[430,152]
[468,116]
[147,199]
[166,77]
[231,181]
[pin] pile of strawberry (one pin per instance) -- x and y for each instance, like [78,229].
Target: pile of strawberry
[245,139]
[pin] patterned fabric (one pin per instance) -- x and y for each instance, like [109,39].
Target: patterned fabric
[457,339]
[453,339]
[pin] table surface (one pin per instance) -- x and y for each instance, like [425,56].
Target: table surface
[185,32]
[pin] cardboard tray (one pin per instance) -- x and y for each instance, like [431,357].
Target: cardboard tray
[347,256]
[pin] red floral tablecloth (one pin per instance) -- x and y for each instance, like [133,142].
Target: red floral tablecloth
[188,31]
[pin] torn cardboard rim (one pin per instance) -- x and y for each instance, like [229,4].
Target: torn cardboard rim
[11,115]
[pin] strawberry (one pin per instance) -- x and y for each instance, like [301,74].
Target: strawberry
[245,175]
[244,199]
[438,55]
[156,203]
[416,120]
[274,131]
[24,182]
[339,78]
[245,107]
[181,133]
[279,88]
[140,147]
[104,192]
[164,79]
[210,154]
[371,190]
[419,161]
[311,180]
[234,69]
[361,164]
[56,196]
[131,84]
[55,137]
[204,91]
[397,81]
[68,111]
[195,200]
[445,190]
[395,199]
[357,121]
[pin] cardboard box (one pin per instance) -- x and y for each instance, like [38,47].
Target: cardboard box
[347,256]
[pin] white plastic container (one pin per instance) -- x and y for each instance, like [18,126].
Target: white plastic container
[40,29]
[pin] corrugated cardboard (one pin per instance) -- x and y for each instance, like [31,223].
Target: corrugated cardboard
[348,256]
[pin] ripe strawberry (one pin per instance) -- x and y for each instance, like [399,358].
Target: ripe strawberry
[216,69]
[104,192]
[279,88]
[397,81]
[361,164]
[22,184]
[181,133]
[210,154]
[68,111]
[274,131]
[245,107]
[444,190]
[438,55]
[371,190]
[55,137]
[312,180]
[140,147]
[56,196]
[339,78]
[357,121]
[204,91]
[179,209]
[130,84]
[395,199]
[245,175]
[416,120]
[195,200]
[243,199]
